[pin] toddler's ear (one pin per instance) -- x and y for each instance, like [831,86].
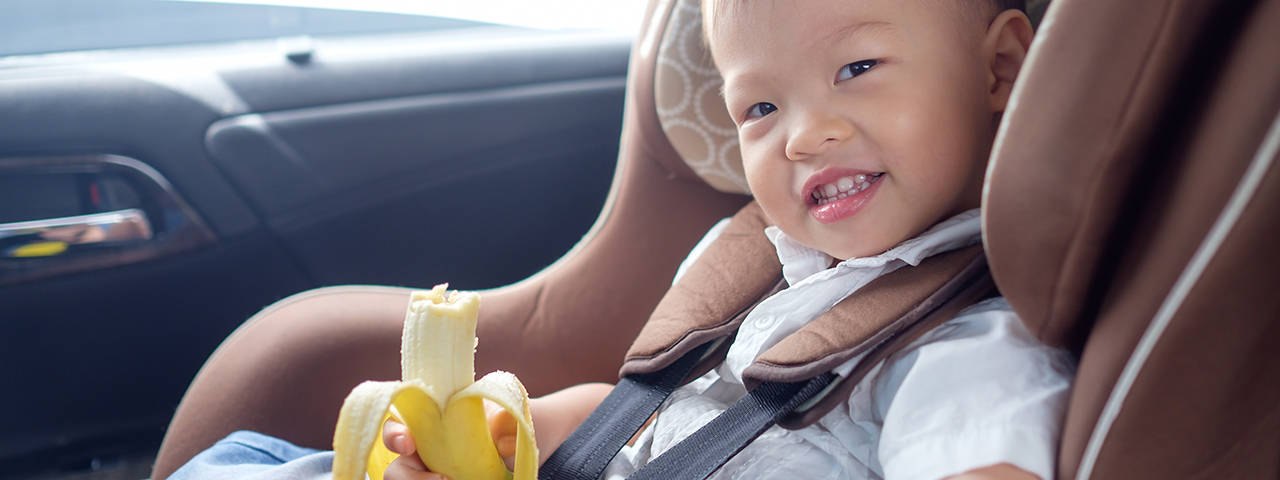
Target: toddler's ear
[1005,49]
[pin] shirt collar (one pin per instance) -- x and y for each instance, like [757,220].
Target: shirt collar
[800,262]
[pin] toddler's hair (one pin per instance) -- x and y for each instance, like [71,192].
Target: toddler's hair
[986,8]
[1002,5]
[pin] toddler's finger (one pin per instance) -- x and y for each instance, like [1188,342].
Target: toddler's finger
[397,438]
[410,467]
[502,427]
[506,445]
[502,424]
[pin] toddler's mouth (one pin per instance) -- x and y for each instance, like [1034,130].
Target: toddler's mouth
[842,188]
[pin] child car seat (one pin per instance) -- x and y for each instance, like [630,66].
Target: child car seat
[1130,200]
[1131,210]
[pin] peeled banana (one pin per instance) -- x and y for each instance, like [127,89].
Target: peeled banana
[438,399]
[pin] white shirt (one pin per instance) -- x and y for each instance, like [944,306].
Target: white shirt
[977,390]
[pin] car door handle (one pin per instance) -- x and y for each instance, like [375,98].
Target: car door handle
[81,213]
[55,236]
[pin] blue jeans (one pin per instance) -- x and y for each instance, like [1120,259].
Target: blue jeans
[248,455]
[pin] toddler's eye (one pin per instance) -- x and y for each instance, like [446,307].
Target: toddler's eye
[854,69]
[760,109]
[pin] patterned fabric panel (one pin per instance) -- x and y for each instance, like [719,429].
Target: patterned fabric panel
[687,91]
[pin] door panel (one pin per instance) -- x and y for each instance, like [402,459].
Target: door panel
[341,153]
[48,111]
[96,362]
[474,156]
[392,177]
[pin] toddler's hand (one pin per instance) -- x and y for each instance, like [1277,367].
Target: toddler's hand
[408,466]
[555,417]
[502,427]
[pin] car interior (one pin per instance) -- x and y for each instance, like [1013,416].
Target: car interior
[152,198]
[1129,207]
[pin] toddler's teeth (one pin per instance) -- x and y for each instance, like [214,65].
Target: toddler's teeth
[844,184]
[843,187]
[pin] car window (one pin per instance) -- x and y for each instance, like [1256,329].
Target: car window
[49,26]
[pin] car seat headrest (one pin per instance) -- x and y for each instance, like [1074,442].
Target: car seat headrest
[687,95]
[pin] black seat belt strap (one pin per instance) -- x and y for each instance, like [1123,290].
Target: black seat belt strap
[586,453]
[702,453]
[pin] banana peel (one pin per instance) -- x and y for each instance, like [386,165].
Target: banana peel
[438,399]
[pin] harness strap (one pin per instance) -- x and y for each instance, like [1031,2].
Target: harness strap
[586,453]
[702,453]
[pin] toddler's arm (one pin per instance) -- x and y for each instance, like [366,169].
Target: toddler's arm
[555,416]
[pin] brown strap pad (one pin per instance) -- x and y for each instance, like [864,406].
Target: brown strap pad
[715,294]
[880,310]
[966,288]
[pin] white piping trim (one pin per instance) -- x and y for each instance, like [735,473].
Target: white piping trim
[1208,248]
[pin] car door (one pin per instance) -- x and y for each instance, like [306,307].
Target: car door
[155,193]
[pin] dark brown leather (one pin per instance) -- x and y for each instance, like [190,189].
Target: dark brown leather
[1141,119]
[881,310]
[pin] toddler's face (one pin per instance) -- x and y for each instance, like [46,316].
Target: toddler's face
[862,123]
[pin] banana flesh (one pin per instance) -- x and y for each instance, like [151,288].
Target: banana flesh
[438,399]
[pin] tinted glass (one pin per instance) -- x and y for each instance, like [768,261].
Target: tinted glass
[47,26]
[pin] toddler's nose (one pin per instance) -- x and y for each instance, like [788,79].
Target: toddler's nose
[815,133]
